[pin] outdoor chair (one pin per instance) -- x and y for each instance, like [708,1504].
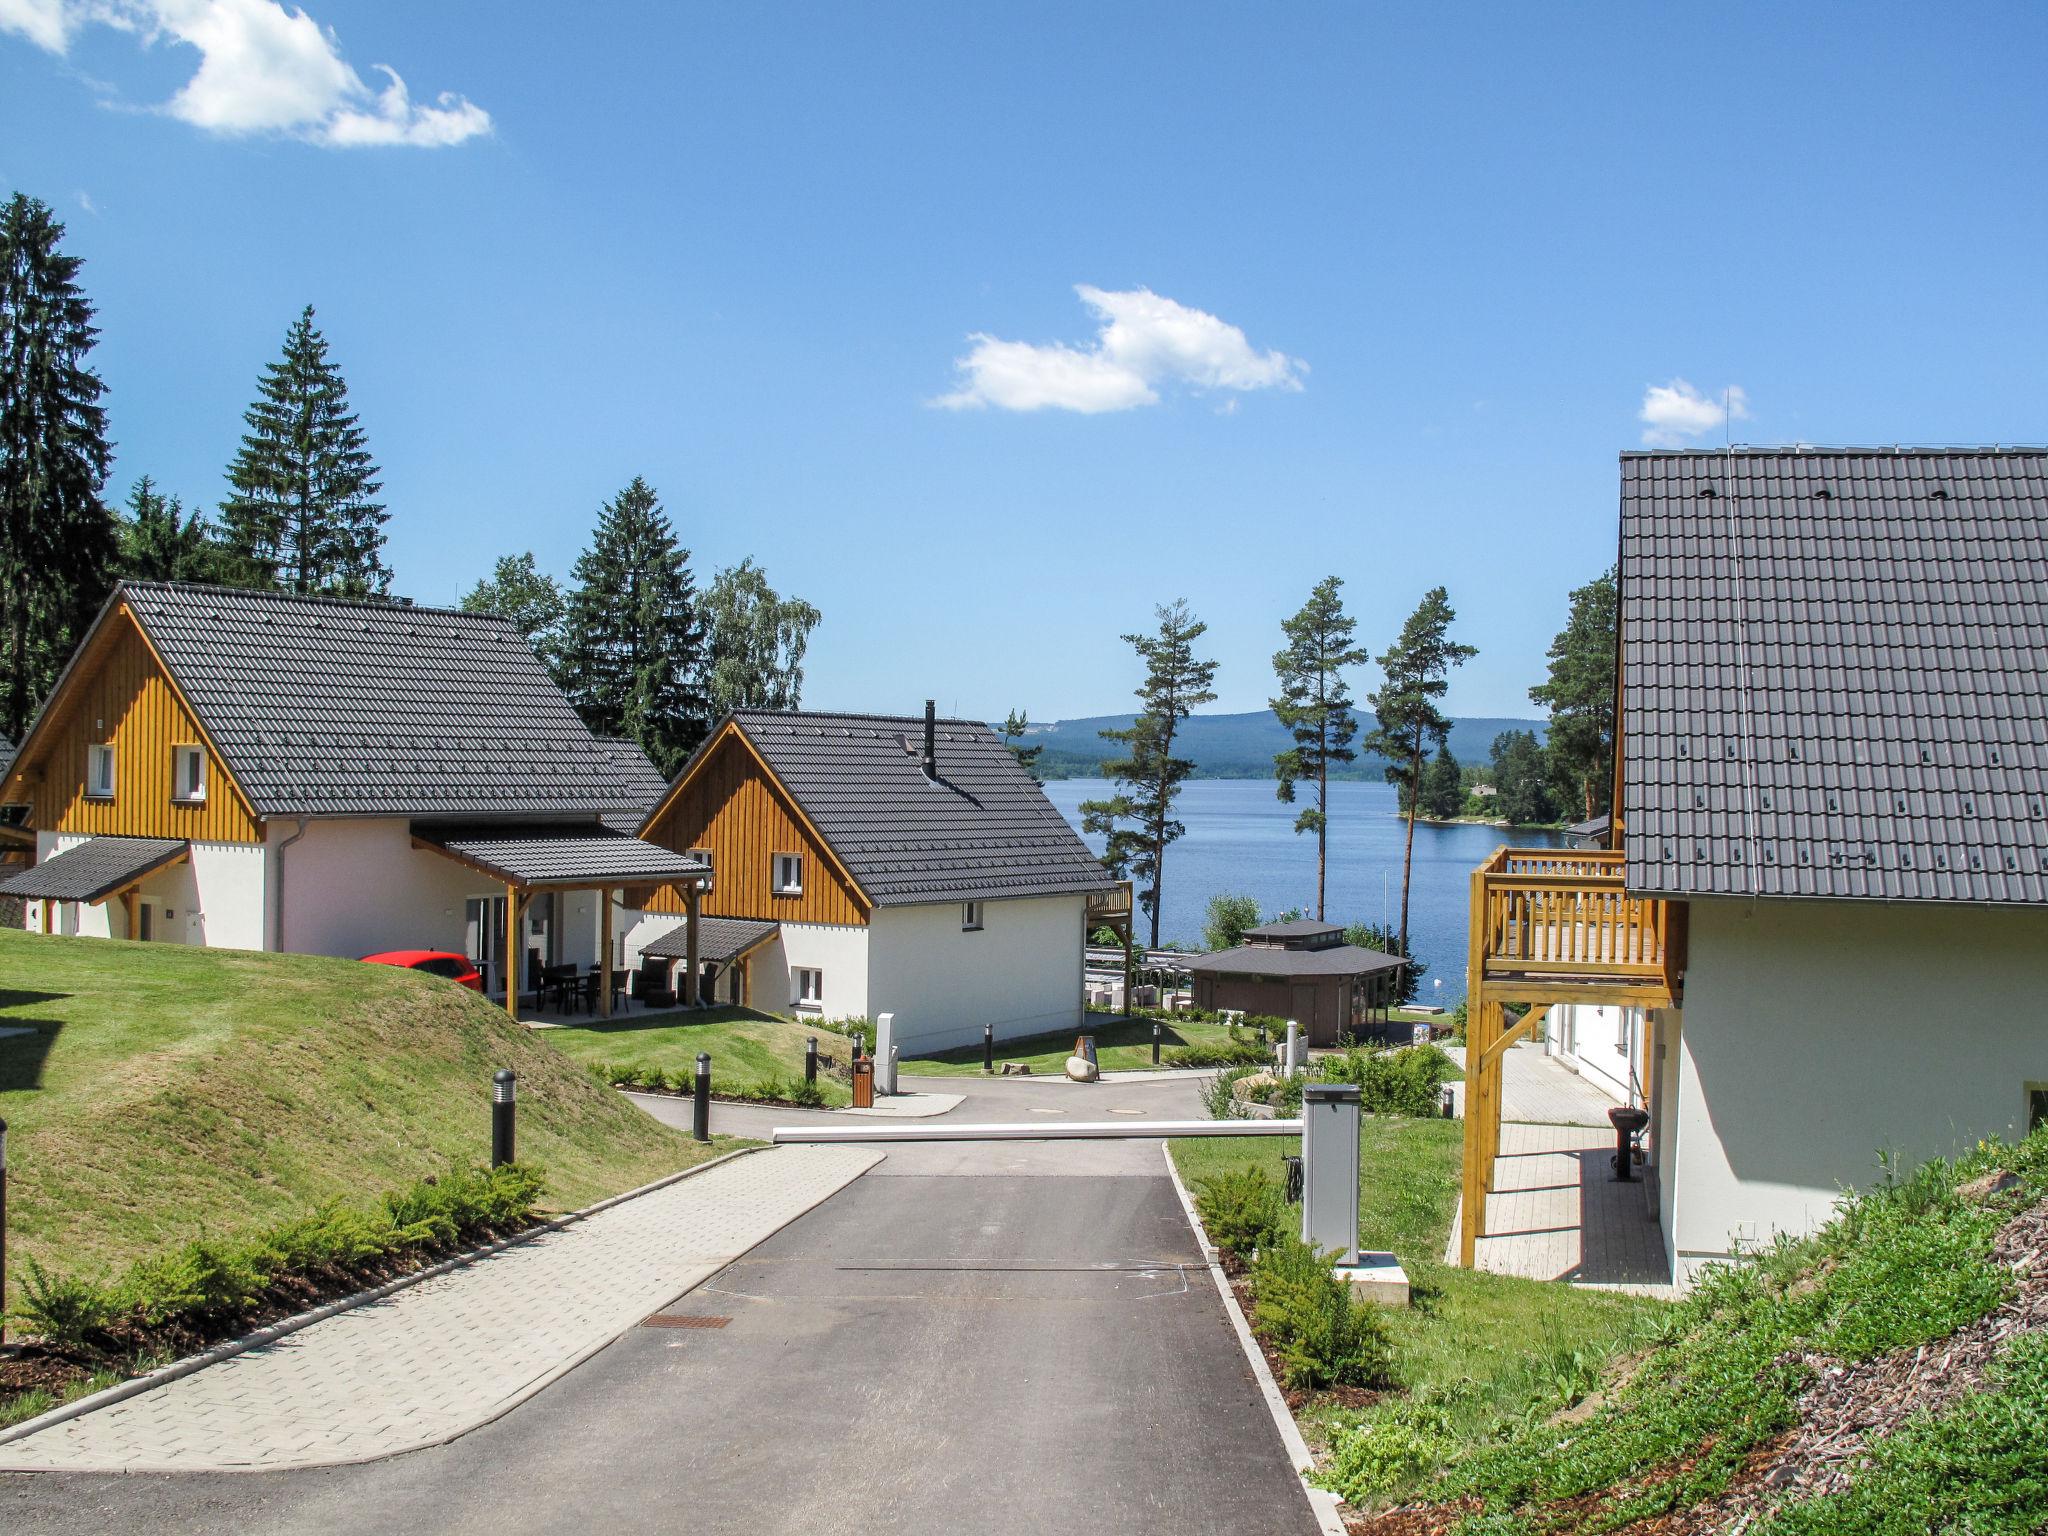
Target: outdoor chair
[653,987]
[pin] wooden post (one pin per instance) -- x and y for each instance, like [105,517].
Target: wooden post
[604,944]
[49,915]
[515,954]
[128,909]
[690,899]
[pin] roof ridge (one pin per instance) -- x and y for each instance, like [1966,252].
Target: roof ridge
[1843,450]
[856,714]
[310,599]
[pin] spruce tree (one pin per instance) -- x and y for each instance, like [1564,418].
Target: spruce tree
[160,541]
[1417,669]
[1580,697]
[304,515]
[56,534]
[1137,822]
[633,648]
[1315,706]
[1443,786]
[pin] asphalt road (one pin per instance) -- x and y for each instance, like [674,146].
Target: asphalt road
[974,1337]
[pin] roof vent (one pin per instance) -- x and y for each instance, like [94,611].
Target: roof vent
[1939,493]
[931,740]
[1822,493]
[1707,493]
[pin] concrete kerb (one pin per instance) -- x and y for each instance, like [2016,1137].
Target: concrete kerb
[1321,1501]
[135,1386]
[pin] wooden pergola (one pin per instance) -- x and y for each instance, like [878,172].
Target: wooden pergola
[96,871]
[542,860]
[1549,927]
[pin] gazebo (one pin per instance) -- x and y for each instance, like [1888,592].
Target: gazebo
[1302,971]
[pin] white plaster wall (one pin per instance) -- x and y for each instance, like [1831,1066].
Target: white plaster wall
[225,904]
[844,954]
[357,887]
[1817,1033]
[1021,972]
[1603,1043]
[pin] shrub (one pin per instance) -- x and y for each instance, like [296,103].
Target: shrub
[1405,1081]
[807,1094]
[1228,1053]
[1241,1209]
[63,1311]
[1323,1334]
[1393,1450]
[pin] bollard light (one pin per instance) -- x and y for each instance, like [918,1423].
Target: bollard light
[700,1115]
[3,1227]
[504,1104]
[1155,1042]
[811,1059]
[988,1048]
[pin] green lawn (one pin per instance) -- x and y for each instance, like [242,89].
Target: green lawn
[1477,1347]
[166,1092]
[1120,1045]
[748,1050]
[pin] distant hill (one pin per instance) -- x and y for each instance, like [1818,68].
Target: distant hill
[1233,746]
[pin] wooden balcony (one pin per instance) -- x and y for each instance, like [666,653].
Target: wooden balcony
[1111,908]
[1554,925]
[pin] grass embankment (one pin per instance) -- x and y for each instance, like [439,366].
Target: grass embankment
[166,1093]
[1121,1045]
[750,1052]
[1474,1350]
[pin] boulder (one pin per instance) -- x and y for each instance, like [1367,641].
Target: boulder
[1082,1070]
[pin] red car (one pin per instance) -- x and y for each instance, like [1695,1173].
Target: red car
[459,969]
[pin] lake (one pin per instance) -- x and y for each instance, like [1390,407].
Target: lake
[1241,838]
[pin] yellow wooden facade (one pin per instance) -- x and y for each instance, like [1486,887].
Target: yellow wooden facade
[120,694]
[734,806]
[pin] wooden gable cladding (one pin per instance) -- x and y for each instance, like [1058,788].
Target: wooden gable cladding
[732,805]
[120,695]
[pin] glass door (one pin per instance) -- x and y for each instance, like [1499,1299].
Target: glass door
[484,936]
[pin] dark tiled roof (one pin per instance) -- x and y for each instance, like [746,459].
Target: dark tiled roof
[985,829]
[718,939]
[543,855]
[1835,674]
[648,784]
[329,708]
[95,868]
[1298,928]
[1266,960]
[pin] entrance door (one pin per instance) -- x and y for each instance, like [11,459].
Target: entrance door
[1301,1007]
[145,920]
[484,937]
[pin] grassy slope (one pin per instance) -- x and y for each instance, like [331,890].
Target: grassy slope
[747,1048]
[1121,1046]
[1483,1345]
[168,1091]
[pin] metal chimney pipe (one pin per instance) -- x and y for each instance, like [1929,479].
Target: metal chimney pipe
[931,739]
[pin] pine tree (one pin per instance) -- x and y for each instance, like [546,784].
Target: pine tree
[519,590]
[1148,777]
[160,541]
[754,639]
[1443,786]
[1521,774]
[1315,705]
[304,514]
[633,652]
[1015,728]
[1580,698]
[56,534]
[1417,670]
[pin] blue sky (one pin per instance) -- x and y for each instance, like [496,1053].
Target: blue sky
[1374,291]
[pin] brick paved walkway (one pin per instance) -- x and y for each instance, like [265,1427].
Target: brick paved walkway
[1557,1214]
[1536,1089]
[437,1360]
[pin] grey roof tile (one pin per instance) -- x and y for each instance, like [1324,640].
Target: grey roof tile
[326,707]
[984,829]
[718,938]
[1268,960]
[559,855]
[1835,674]
[95,868]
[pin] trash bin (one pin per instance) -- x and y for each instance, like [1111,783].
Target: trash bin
[864,1083]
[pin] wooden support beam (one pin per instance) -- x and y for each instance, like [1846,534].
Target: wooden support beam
[128,909]
[690,905]
[604,946]
[515,953]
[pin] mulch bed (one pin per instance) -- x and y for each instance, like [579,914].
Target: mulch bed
[133,1345]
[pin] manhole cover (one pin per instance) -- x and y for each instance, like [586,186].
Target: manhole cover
[683,1320]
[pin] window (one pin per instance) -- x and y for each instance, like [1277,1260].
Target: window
[99,771]
[970,917]
[809,988]
[2037,1106]
[703,856]
[789,874]
[188,774]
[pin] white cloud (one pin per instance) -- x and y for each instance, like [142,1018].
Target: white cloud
[1676,413]
[1143,343]
[263,68]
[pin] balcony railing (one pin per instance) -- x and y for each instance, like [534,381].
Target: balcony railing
[1559,915]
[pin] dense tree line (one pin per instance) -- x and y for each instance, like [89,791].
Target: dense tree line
[633,641]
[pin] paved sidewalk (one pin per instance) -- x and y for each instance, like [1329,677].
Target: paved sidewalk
[437,1360]
[1556,1213]
[1535,1088]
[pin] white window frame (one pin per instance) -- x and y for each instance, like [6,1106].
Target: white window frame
[791,864]
[99,754]
[182,755]
[705,857]
[807,988]
[970,917]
